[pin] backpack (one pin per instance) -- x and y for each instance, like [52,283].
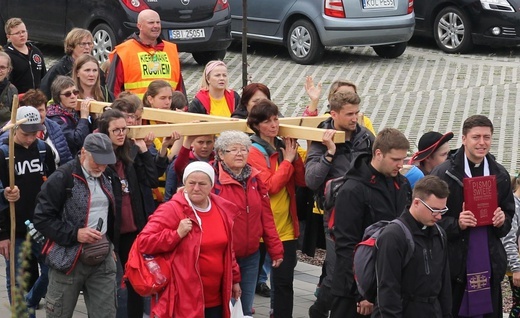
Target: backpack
[330,194]
[139,276]
[365,254]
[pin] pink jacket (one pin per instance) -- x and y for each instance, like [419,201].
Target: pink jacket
[183,297]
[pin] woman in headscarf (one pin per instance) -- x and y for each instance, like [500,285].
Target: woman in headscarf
[194,232]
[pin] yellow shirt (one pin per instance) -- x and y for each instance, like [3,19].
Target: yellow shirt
[219,107]
[282,218]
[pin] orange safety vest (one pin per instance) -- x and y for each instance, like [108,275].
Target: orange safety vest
[143,65]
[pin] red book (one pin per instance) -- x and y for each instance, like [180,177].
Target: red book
[480,197]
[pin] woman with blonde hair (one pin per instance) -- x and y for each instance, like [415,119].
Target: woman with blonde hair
[77,42]
[214,96]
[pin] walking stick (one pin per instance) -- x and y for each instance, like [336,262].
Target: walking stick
[12,257]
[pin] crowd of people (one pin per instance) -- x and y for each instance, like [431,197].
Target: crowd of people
[225,210]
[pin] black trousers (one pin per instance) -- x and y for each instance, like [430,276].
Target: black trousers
[344,307]
[135,303]
[282,280]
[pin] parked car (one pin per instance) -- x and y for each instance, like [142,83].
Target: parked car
[457,25]
[201,27]
[305,27]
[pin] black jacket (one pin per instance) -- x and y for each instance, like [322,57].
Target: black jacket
[62,67]
[28,70]
[452,171]
[142,172]
[365,198]
[420,288]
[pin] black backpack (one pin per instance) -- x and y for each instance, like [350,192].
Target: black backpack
[365,255]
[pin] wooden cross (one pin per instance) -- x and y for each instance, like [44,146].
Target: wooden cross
[182,122]
[11,126]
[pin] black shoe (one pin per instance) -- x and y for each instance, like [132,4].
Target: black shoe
[263,290]
[314,312]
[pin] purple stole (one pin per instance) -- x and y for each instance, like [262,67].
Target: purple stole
[476,300]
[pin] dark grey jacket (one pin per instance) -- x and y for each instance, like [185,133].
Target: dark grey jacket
[318,169]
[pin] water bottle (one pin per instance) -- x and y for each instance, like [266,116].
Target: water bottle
[35,234]
[155,269]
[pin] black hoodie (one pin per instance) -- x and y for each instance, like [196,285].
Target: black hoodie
[28,70]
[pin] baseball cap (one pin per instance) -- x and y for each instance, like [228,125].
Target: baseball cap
[100,146]
[429,142]
[33,123]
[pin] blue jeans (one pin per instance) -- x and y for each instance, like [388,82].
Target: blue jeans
[39,288]
[248,271]
[265,269]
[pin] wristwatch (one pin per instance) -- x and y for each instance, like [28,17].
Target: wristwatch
[329,155]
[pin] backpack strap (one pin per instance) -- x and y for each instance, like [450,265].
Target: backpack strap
[409,240]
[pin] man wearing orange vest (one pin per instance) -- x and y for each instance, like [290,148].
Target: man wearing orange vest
[143,58]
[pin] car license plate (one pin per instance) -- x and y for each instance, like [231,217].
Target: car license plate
[187,34]
[377,4]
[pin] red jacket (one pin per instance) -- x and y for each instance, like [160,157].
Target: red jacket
[287,175]
[201,103]
[256,220]
[183,297]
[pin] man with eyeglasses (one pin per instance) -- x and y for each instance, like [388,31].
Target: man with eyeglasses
[476,254]
[27,60]
[421,286]
[373,191]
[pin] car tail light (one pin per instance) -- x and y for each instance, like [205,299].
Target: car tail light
[135,5]
[410,6]
[334,8]
[221,5]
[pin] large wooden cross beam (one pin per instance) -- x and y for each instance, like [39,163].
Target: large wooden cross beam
[183,122]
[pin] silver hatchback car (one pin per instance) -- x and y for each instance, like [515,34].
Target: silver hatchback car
[305,27]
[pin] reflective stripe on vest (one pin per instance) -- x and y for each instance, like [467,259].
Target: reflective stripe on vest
[143,65]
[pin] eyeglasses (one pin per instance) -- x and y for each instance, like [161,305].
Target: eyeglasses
[236,151]
[85,44]
[434,211]
[69,93]
[4,68]
[119,131]
[19,33]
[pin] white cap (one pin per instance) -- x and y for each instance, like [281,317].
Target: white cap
[199,166]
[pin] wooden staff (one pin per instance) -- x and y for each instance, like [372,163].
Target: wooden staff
[12,256]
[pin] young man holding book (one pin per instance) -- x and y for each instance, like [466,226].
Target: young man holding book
[476,255]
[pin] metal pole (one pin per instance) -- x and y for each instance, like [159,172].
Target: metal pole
[244,43]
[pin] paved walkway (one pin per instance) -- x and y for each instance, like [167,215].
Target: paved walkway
[306,277]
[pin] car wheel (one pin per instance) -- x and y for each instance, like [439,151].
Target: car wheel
[104,42]
[202,58]
[303,43]
[391,51]
[452,31]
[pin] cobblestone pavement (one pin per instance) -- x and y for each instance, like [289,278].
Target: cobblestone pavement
[425,89]
[422,90]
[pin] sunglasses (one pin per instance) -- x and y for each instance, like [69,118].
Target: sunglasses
[69,93]
[434,211]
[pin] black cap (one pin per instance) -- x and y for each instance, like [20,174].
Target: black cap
[429,142]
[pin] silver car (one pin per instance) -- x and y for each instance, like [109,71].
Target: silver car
[305,27]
